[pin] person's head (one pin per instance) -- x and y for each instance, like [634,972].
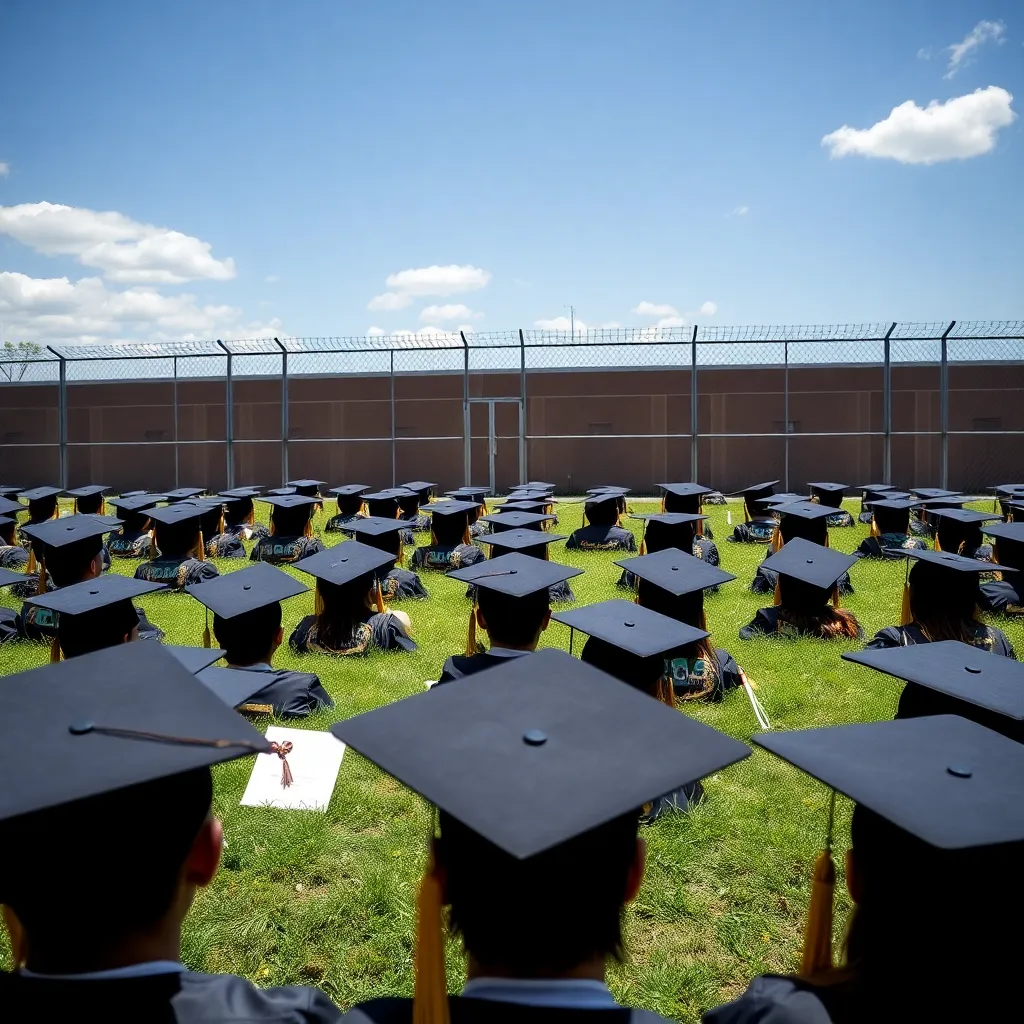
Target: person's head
[644,674]
[240,512]
[89,504]
[349,504]
[956,536]
[688,503]
[449,531]
[688,608]
[513,621]
[341,607]
[409,504]
[73,563]
[113,624]
[814,530]
[547,914]
[176,540]
[602,511]
[251,637]
[659,535]
[943,602]
[8,531]
[292,520]
[892,520]
[807,608]
[140,854]
[42,509]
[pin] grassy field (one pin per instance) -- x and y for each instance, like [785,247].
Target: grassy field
[327,899]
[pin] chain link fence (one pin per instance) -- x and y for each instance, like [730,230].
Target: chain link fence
[924,403]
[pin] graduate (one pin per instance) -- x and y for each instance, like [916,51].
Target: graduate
[594,494]
[758,527]
[875,492]
[450,544]
[503,521]
[673,583]
[1006,494]
[533,543]
[638,647]
[398,583]
[217,542]
[831,494]
[419,492]
[806,519]
[959,530]
[10,490]
[246,608]
[690,499]
[135,538]
[477,495]
[176,494]
[537,852]
[931,497]
[940,602]
[936,836]
[42,503]
[512,606]
[351,617]
[350,505]
[12,554]
[1005,595]
[385,505]
[291,536]
[890,530]
[807,595]
[306,487]
[88,499]
[113,751]
[603,533]
[180,553]
[671,530]
[240,514]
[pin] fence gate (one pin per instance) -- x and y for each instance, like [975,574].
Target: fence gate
[495,448]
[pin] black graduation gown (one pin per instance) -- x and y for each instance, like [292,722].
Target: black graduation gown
[601,538]
[337,524]
[714,498]
[765,579]
[39,625]
[767,622]
[840,518]
[479,529]
[875,547]
[243,531]
[458,666]
[774,999]
[447,559]
[418,521]
[866,516]
[292,694]
[224,545]
[695,679]
[919,529]
[130,545]
[173,998]
[13,557]
[1002,597]
[280,550]
[465,1010]
[677,802]
[176,573]
[382,632]
[703,548]
[986,638]
[401,584]
[757,531]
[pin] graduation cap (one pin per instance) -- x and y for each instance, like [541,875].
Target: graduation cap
[514,574]
[88,498]
[968,516]
[450,521]
[181,493]
[281,492]
[532,495]
[1007,490]
[946,560]
[817,566]
[181,514]
[538,506]
[110,720]
[608,489]
[630,626]
[536,485]
[246,590]
[134,494]
[829,493]
[471,492]
[894,504]
[772,501]
[252,491]
[195,659]
[95,613]
[1012,533]
[810,510]
[40,493]
[345,563]
[88,491]
[932,492]
[289,500]
[530,542]
[423,488]
[676,572]
[6,490]
[386,502]
[761,490]
[310,488]
[515,520]
[450,508]
[178,528]
[8,578]
[686,490]
[9,507]
[136,502]
[60,533]
[669,530]
[233,686]
[349,490]
[874,488]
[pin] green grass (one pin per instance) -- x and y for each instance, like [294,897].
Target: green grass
[328,899]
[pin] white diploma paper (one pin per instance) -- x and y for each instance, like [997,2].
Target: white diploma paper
[315,760]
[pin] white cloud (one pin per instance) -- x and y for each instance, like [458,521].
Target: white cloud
[450,311]
[707,309]
[5,168]
[958,129]
[562,323]
[924,53]
[961,54]
[609,326]
[375,332]
[646,308]
[671,321]
[741,211]
[56,308]
[272,279]
[420,282]
[123,250]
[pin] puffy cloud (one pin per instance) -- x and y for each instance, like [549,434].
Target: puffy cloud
[449,311]
[5,168]
[375,332]
[562,323]
[43,309]
[655,309]
[958,129]
[671,321]
[741,211]
[707,309]
[123,250]
[404,286]
[961,54]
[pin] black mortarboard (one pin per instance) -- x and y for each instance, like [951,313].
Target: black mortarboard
[236,593]
[39,493]
[536,485]
[619,492]
[669,529]
[233,686]
[310,488]
[450,508]
[349,490]
[517,540]
[470,492]
[630,626]
[112,719]
[137,502]
[549,749]
[761,490]
[946,560]
[288,500]
[345,562]
[676,571]
[422,487]
[180,514]
[195,659]
[376,526]
[772,501]
[6,490]
[1007,490]
[8,578]
[990,681]
[389,497]
[543,496]
[894,504]
[932,492]
[965,515]
[502,521]
[874,488]
[809,563]
[522,506]
[59,533]
[251,491]
[1003,532]
[133,494]
[181,493]
[281,492]
[514,574]
[87,491]
[826,487]
[948,781]
[937,504]
[686,490]
[804,510]
[9,507]
[93,595]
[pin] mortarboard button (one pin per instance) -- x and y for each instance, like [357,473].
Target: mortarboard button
[960,771]
[535,737]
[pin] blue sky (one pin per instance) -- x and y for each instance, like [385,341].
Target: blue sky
[264,167]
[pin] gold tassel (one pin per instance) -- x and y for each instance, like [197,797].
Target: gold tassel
[777,541]
[74,508]
[103,506]
[778,594]
[308,528]
[875,532]
[318,602]
[378,593]
[817,951]
[30,568]
[401,552]
[471,647]
[200,551]
[938,543]
[41,582]
[55,651]
[699,526]
[206,632]
[835,596]
[430,991]
[643,544]
[666,693]
[465,535]
[906,615]
[16,935]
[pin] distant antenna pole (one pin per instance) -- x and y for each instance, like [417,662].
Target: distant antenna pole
[572,321]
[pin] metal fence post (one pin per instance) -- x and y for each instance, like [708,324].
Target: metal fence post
[62,417]
[694,399]
[523,471]
[394,443]
[944,406]
[785,409]
[887,405]
[174,411]
[284,412]
[466,425]
[229,418]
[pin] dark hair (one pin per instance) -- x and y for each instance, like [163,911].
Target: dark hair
[643,674]
[891,520]
[290,521]
[240,511]
[129,848]
[1009,553]
[689,503]
[343,609]
[602,512]
[943,602]
[349,504]
[515,621]
[449,531]
[814,530]
[68,564]
[247,638]
[543,915]
[96,630]
[806,609]
[9,533]
[917,903]
[952,535]
[133,522]
[174,540]
[390,542]
[89,504]
[659,536]
[42,509]
[409,504]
